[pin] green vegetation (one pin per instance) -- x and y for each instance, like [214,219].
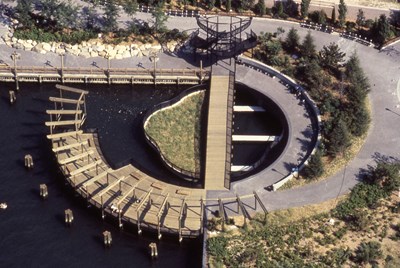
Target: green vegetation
[358,236]
[176,130]
[339,89]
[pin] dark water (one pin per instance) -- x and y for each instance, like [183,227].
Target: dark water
[32,232]
[271,123]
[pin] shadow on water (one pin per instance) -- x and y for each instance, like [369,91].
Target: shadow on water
[32,230]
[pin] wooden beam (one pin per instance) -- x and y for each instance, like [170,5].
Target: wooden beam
[64,100]
[64,134]
[69,146]
[127,193]
[144,200]
[63,123]
[95,178]
[63,111]
[75,157]
[162,207]
[109,186]
[71,89]
[84,168]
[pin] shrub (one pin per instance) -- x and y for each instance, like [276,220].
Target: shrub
[368,252]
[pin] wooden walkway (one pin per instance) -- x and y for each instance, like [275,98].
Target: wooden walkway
[216,153]
[126,193]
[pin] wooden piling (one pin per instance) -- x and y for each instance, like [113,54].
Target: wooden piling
[12,95]
[153,250]
[107,238]
[28,161]
[43,191]
[69,217]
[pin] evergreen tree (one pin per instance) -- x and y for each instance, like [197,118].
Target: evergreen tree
[315,167]
[360,18]
[23,11]
[110,16]
[159,20]
[292,40]
[304,6]
[342,13]
[307,48]
[131,7]
[280,11]
[382,30]
[338,138]
[333,16]
[260,7]
[228,5]
[331,55]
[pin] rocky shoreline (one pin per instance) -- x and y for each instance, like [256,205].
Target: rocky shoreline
[87,49]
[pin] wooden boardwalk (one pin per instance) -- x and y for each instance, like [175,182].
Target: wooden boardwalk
[216,153]
[126,193]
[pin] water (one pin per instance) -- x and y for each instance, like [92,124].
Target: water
[32,231]
[271,122]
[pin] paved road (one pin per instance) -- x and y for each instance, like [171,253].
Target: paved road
[382,68]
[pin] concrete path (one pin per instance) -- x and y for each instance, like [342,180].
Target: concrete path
[382,68]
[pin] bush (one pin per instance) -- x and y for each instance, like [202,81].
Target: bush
[368,252]
[315,167]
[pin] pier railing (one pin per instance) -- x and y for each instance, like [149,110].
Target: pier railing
[101,75]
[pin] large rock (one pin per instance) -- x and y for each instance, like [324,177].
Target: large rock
[102,53]
[60,51]
[94,54]
[84,54]
[156,47]
[18,46]
[39,49]
[135,52]
[46,47]
[111,53]
[145,53]
[118,57]
[28,46]
[147,46]
[126,54]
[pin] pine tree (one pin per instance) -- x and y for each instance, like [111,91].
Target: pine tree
[292,40]
[260,7]
[110,16]
[360,18]
[23,11]
[304,6]
[331,55]
[333,16]
[382,30]
[280,10]
[338,138]
[315,167]
[342,13]
[159,19]
[308,46]
[228,5]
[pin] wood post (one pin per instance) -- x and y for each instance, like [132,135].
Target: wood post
[107,238]
[28,161]
[69,217]
[43,191]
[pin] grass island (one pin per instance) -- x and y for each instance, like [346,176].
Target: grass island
[176,131]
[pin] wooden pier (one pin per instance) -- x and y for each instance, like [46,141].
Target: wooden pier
[126,193]
[219,136]
[102,76]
